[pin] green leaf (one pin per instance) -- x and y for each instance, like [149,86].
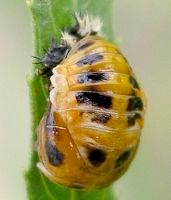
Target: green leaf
[48,18]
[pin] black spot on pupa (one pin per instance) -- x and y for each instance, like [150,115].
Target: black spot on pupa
[135,103]
[84,46]
[89,77]
[122,158]
[101,117]
[55,157]
[89,59]
[134,82]
[96,157]
[132,119]
[94,99]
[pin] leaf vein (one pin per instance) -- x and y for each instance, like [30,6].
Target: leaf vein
[46,187]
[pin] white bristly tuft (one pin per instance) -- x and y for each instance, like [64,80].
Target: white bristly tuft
[86,25]
[68,39]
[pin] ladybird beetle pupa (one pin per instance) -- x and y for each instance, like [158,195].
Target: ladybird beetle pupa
[91,131]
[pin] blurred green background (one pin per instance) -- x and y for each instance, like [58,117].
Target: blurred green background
[143,31]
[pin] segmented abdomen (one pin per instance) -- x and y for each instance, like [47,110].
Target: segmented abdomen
[99,90]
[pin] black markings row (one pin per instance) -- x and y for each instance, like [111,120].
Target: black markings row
[94,99]
[92,77]
[105,101]
[98,157]
[89,59]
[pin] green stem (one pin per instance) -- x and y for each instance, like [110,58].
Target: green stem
[73,194]
[48,18]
